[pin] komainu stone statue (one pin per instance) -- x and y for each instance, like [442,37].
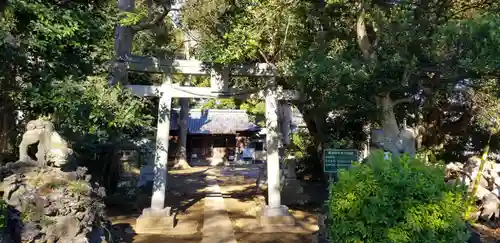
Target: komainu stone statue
[403,142]
[52,149]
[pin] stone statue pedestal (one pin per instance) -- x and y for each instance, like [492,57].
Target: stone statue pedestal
[292,192]
[154,221]
[275,217]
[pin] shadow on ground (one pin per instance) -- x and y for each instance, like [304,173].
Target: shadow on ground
[185,195]
[243,200]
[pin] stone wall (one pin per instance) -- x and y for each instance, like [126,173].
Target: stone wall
[488,190]
[48,205]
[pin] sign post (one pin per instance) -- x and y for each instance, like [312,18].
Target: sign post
[333,160]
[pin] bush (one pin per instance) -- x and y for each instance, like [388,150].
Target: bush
[3,214]
[398,200]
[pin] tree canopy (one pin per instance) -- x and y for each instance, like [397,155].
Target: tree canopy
[358,64]
[373,62]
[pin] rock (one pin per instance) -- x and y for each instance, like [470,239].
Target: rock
[81,172]
[59,209]
[50,211]
[66,227]
[72,176]
[79,239]
[481,192]
[490,206]
[31,231]
[15,198]
[488,188]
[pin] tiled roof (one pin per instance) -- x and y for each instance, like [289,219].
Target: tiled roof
[215,121]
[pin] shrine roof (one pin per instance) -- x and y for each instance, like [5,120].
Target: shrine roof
[215,121]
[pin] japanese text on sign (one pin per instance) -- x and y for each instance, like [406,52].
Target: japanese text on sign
[335,159]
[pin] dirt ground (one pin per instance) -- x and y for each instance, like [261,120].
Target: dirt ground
[185,195]
[486,234]
[241,199]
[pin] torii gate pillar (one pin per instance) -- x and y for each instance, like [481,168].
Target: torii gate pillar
[159,218]
[273,214]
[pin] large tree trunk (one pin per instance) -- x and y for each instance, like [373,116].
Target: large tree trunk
[181,156]
[7,126]
[393,139]
[8,116]
[365,145]
[315,122]
[124,36]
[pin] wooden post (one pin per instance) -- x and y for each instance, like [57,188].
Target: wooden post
[162,141]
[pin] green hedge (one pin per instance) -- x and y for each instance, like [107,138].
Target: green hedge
[398,200]
[3,214]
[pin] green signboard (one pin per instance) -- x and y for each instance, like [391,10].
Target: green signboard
[335,159]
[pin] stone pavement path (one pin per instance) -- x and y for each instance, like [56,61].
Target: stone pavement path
[217,227]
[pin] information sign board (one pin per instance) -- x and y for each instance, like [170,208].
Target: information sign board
[335,159]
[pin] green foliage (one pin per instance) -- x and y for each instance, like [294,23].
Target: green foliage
[55,184]
[78,187]
[256,110]
[306,155]
[54,59]
[481,37]
[3,214]
[487,101]
[54,66]
[132,18]
[220,104]
[396,201]
[230,33]
[89,111]
[428,156]
[418,46]
[302,141]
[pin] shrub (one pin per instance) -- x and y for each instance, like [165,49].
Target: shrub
[3,214]
[397,200]
[79,187]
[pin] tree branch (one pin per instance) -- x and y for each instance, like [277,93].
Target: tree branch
[363,41]
[281,47]
[265,59]
[151,22]
[149,25]
[402,100]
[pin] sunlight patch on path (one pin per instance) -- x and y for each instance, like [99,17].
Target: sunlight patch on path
[217,227]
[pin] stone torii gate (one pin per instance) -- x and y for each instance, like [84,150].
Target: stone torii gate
[158,218]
